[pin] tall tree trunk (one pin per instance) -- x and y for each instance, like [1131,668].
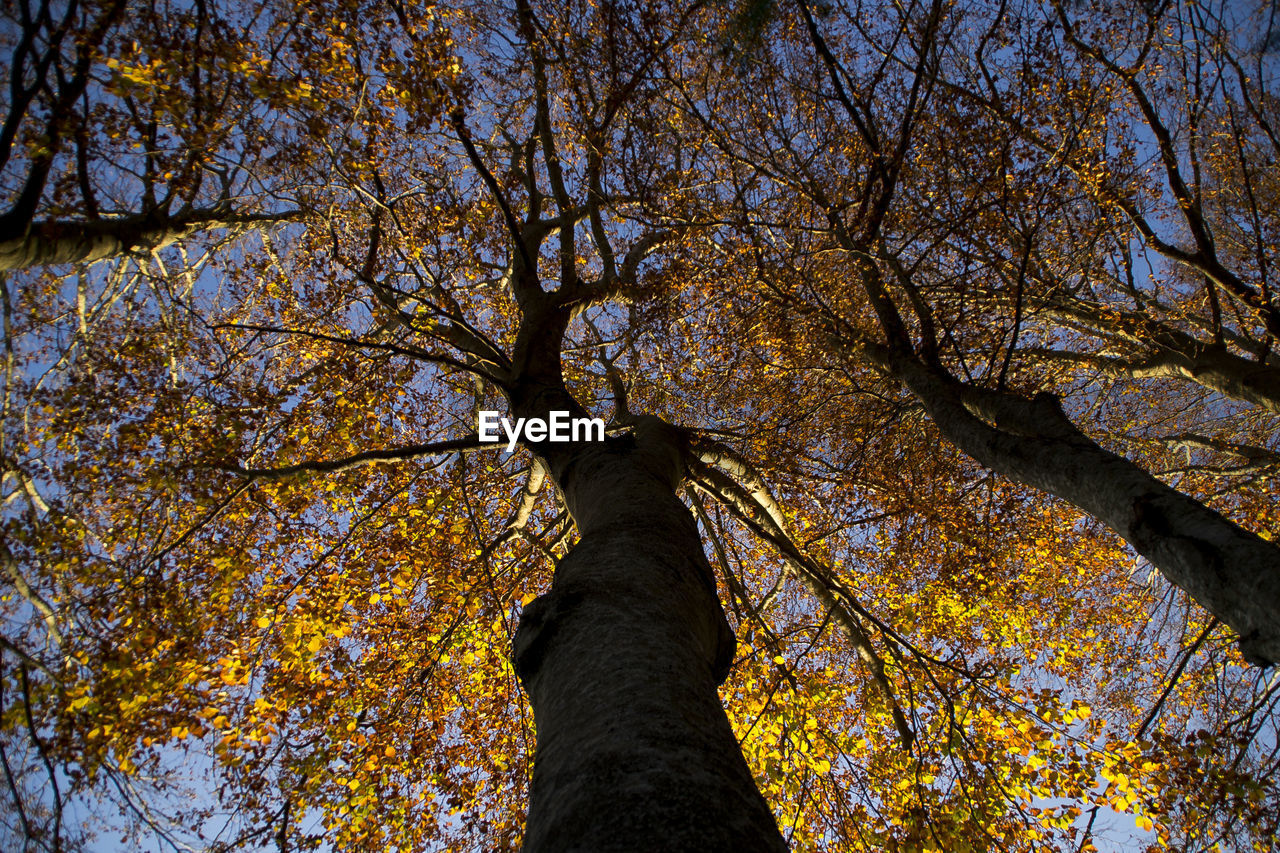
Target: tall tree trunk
[1232,573]
[621,660]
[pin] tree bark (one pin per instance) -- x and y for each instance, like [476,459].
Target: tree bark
[1232,573]
[1143,347]
[621,660]
[70,242]
[1212,368]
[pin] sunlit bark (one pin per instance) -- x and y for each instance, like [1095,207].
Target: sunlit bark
[53,242]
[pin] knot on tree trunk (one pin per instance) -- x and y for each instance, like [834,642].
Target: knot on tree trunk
[539,622]
[726,650]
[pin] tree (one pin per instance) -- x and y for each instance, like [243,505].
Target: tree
[249,517]
[120,154]
[1234,573]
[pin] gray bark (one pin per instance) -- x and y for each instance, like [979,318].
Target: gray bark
[1218,370]
[1232,573]
[1140,346]
[1210,367]
[621,660]
[69,242]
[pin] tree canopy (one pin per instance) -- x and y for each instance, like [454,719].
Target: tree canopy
[952,324]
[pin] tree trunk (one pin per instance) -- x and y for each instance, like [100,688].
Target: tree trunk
[70,242]
[1209,366]
[621,660]
[1218,370]
[1232,573]
[1146,348]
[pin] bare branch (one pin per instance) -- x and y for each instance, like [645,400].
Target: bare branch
[467,444]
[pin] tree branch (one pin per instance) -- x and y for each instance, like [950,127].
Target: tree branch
[467,444]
